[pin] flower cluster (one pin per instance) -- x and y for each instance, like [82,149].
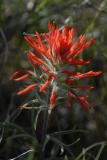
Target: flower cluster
[56,54]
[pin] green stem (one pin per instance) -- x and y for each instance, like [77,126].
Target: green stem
[41,155]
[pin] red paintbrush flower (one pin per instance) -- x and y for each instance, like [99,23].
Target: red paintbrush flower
[56,51]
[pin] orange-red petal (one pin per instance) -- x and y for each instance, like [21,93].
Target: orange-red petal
[82,87]
[44,86]
[19,75]
[83,102]
[78,62]
[33,58]
[27,89]
[52,98]
[22,77]
[87,74]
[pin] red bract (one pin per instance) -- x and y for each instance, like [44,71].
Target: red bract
[19,75]
[56,51]
[83,101]
[27,89]
[52,97]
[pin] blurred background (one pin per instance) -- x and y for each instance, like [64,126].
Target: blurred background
[17,134]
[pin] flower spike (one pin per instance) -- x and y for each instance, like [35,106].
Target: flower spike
[54,60]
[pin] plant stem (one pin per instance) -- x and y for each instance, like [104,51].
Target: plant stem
[41,155]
